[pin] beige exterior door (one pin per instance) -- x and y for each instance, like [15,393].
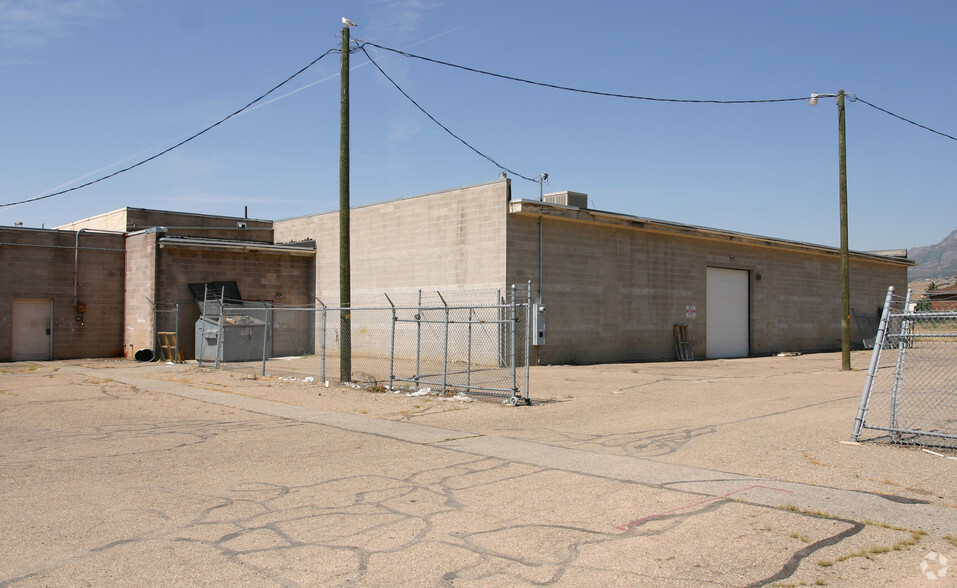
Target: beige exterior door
[32,329]
[728,325]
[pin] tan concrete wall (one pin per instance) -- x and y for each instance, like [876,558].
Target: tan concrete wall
[280,278]
[115,220]
[139,332]
[448,241]
[614,293]
[199,225]
[40,264]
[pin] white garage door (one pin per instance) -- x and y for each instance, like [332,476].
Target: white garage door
[32,328]
[727,312]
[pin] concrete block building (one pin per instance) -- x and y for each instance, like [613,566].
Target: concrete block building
[104,286]
[613,285]
[61,294]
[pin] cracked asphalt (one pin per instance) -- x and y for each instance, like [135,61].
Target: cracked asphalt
[722,473]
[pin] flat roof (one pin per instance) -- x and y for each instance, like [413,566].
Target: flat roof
[298,248]
[587,215]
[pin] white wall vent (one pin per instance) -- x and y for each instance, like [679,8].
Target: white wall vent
[566,198]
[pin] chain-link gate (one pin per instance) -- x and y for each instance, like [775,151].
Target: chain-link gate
[473,348]
[453,342]
[911,387]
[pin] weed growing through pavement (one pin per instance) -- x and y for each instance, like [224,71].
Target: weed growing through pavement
[869,552]
[915,536]
[799,537]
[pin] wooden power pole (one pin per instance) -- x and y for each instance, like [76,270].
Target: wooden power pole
[845,263]
[345,278]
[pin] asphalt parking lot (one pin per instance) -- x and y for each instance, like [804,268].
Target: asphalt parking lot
[723,473]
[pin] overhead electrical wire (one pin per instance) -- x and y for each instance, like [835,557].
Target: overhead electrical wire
[906,120]
[360,46]
[436,121]
[180,144]
[578,90]
[635,97]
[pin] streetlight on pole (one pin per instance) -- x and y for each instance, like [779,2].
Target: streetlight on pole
[845,262]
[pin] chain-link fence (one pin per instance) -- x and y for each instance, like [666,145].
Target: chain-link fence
[474,342]
[910,394]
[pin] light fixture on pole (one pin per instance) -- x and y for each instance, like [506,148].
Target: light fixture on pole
[845,264]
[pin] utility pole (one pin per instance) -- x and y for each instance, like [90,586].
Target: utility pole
[345,278]
[845,265]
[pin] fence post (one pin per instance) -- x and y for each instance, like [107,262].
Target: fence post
[513,319]
[222,329]
[202,344]
[445,345]
[899,370]
[265,337]
[418,340]
[528,340]
[392,344]
[176,335]
[501,330]
[872,370]
[322,343]
[468,364]
[156,341]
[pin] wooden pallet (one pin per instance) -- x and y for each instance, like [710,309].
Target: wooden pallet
[683,349]
[168,348]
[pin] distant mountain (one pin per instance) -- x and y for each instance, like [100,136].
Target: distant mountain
[935,262]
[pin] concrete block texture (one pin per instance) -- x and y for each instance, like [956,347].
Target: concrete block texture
[613,285]
[72,270]
[447,241]
[613,290]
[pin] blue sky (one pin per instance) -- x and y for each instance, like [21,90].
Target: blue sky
[90,86]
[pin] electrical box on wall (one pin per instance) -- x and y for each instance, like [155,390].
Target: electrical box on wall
[538,324]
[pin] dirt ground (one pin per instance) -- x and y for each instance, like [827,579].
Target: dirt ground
[728,472]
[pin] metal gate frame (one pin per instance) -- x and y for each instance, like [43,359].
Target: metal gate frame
[904,331]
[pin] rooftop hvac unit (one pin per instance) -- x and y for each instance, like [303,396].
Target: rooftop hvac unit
[574,199]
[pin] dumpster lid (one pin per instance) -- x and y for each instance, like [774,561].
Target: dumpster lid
[218,290]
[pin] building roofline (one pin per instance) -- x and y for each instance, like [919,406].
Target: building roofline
[64,231]
[400,199]
[573,214]
[307,248]
[126,210]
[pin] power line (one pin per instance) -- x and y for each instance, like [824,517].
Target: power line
[436,121]
[180,144]
[636,97]
[361,46]
[897,116]
[578,90]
